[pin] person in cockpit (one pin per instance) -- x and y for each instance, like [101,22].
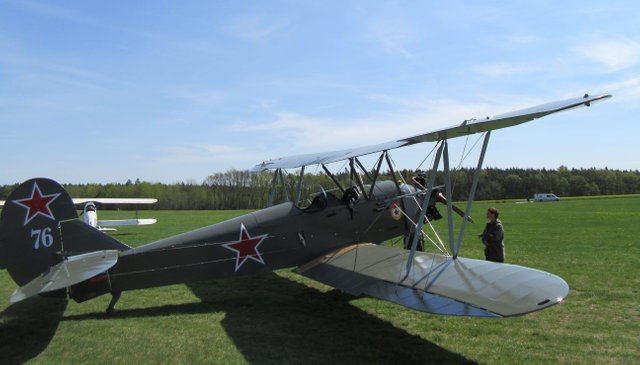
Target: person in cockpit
[90,215]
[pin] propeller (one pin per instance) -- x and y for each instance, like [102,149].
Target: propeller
[442,199]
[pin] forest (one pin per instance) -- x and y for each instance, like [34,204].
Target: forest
[241,189]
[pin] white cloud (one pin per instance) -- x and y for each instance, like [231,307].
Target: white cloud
[615,54]
[625,90]
[304,134]
[311,134]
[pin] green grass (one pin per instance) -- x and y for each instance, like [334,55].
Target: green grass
[284,318]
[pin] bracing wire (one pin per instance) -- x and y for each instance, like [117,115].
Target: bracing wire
[472,148]
[463,157]
[439,245]
[427,156]
[344,165]
[396,168]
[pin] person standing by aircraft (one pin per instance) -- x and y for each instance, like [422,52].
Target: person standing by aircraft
[493,237]
[420,183]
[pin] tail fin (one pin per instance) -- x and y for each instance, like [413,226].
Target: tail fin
[30,240]
[39,229]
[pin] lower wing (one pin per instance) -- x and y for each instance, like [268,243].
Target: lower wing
[125,222]
[438,284]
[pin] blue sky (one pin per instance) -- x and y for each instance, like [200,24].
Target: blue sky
[95,91]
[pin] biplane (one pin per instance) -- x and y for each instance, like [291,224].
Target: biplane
[337,238]
[90,212]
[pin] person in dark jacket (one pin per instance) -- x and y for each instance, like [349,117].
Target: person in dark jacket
[493,237]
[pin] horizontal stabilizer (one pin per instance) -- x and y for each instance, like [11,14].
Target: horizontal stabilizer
[70,271]
[80,237]
[126,222]
[438,284]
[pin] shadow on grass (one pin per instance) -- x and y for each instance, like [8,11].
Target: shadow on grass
[27,327]
[121,234]
[274,320]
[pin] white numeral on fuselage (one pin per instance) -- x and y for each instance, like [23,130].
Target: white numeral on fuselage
[43,237]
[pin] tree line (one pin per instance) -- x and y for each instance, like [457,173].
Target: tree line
[518,183]
[237,189]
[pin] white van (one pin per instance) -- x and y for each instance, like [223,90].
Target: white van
[545,197]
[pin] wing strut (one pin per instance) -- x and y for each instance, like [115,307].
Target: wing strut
[472,193]
[454,245]
[278,175]
[355,176]
[366,173]
[447,187]
[300,181]
[284,186]
[423,209]
[375,176]
[393,173]
[274,181]
[335,181]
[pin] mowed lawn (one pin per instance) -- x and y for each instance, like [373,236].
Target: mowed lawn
[283,318]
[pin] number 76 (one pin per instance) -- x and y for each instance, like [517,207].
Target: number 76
[42,236]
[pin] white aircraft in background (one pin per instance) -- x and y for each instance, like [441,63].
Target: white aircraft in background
[90,212]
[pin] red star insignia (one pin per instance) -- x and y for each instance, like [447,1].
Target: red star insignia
[246,247]
[37,204]
[396,211]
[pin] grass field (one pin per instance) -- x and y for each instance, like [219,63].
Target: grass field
[283,318]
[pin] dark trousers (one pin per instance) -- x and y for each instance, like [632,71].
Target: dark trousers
[494,253]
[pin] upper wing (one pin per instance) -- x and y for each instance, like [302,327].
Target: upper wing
[110,201]
[438,284]
[467,127]
[327,157]
[115,200]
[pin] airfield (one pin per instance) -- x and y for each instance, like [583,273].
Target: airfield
[279,318]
